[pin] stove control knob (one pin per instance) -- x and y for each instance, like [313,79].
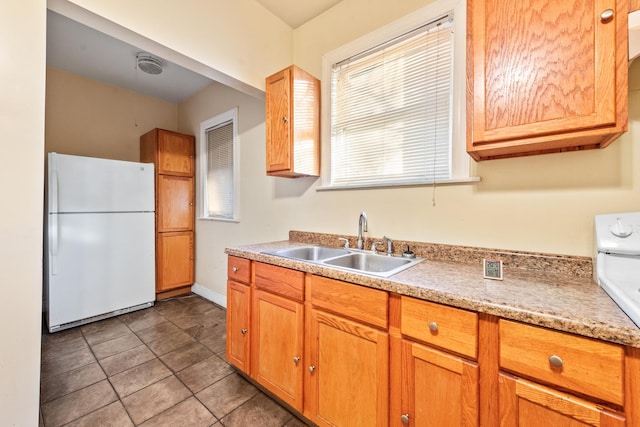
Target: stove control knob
[620,229]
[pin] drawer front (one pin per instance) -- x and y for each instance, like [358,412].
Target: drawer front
[363,304]
[579,364]
[239,269]
[446,327]
[279,280]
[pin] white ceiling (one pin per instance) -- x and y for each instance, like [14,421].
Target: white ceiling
[297,12]
[82,50]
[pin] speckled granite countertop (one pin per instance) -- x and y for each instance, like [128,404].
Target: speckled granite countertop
[565,302]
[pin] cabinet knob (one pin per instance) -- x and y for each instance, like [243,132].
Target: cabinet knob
[433,326]
[312,368]
[285,119]
[555,361]
[235,269]
[296,360]
[244,331]
[606,15]
[405,419]
[190,203]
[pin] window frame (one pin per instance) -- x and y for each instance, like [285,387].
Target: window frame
[460,160]
[230,115]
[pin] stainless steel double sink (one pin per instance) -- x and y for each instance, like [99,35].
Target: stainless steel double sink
[359,261]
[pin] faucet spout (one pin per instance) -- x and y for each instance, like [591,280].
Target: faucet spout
[362,228]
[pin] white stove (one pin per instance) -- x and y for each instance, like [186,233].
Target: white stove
[618,260]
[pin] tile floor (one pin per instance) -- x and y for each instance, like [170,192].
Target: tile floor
[162,366]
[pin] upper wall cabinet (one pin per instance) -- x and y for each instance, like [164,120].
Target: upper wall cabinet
[293,123]
[545,76]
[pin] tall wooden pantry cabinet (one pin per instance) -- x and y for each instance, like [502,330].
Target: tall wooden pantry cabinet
[173,156]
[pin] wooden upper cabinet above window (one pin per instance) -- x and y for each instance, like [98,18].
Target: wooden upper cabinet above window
[545,76]
[293,123]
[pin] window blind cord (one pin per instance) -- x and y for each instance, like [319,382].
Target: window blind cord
[435,120]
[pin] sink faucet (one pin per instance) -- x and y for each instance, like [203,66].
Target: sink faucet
[362,227]
[389,245]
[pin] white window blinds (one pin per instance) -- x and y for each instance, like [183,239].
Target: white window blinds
[220,179]
[391,111]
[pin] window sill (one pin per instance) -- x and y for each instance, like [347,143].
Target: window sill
[206,218]
[439,183]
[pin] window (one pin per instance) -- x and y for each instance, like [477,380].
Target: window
[394,111]
[219,154]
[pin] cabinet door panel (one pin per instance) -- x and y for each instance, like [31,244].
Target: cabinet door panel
[174,260]
[238,330]
[175,153]
[349,383]
[523,403]
[175,203]
[276,346]
[278,121]
[440,389]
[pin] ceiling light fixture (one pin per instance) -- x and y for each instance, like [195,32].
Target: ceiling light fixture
[149,63]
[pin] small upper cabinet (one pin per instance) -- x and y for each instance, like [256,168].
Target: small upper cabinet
[172,152]
[293,123]
[545,76]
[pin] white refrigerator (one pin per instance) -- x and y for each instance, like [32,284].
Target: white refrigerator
[100,239]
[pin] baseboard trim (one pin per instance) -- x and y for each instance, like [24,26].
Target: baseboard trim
[212,296]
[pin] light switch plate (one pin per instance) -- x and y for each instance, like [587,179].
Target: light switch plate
[492,269]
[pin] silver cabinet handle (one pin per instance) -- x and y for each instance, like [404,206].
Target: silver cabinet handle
[606,15]
[235,269]
[555,361]
[244,331]
[433,326]
[405,419]
[312,368]
[296,360]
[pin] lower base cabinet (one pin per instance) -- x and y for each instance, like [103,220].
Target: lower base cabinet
[523,403]
[238,317]
[276,346]
[174,261]
[348,369]
[439,389]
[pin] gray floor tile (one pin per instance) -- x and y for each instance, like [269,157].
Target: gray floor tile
[259,411]
[126,360]
[227,394]
[112,331]
[143,319]
[78,404]
[134,379]
[113,415]
[155,399]
[189,412]
[115,346]
[54,348]
[170,342]
[58,386]
[59,364]
[203,374]
[186,356]
[156,331]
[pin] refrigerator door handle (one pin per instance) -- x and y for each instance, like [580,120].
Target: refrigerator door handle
[53,243]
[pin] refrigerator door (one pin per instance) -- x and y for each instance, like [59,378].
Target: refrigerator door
[99,263]
[87,184]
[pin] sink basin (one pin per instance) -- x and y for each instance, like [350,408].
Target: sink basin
[348,259]
[310,253]
[370,263]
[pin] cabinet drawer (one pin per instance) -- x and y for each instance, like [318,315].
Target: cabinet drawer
[239,269]
[446,327]
[279,280]
[579,364]
[357,302]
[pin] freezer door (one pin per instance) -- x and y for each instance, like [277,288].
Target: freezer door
[99,263]
[88,184]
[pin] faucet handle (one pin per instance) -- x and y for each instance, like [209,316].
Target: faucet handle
[374,246]
[389,245]
[346,242]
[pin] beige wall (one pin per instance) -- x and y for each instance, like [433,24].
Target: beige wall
[88,118]
[22,84]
